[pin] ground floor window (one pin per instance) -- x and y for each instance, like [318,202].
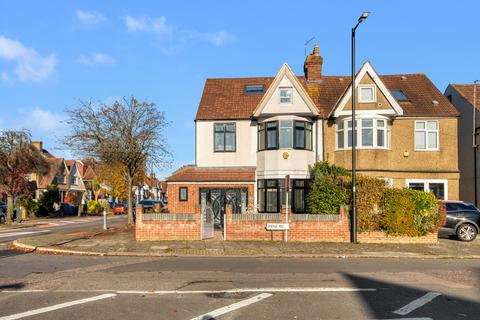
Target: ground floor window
[438,187]
[271,195]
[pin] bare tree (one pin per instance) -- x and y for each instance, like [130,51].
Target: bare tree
[18,159]
[129,133]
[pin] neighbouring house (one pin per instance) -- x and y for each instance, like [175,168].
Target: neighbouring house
[75,181]
[151,189]
[462,97]
[252,132]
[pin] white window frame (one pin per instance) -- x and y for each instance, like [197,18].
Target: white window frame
[367,86]
[280,89]
[426,130]
[426,182]
[386,134]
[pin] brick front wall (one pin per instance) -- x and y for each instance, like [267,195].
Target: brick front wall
[308,231]
[189,206]
[151,230]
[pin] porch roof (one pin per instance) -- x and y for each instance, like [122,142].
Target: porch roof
[198,174]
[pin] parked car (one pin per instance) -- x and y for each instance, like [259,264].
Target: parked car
[463,220]
[120,208]
[3,212]
[67,209]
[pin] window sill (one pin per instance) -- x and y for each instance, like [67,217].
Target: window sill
[426,150]
[365,148]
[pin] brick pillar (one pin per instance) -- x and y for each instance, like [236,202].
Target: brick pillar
[139,213]
[228,218]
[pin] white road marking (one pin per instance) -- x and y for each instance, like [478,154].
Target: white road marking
[20,233]
[218,312]
[57,306]
[417,303]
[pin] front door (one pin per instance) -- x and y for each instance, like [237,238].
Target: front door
[219,198]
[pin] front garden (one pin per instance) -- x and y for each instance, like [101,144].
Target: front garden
[394,211]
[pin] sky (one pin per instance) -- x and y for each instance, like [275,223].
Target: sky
[54,54]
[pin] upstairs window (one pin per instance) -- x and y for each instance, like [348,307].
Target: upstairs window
[285,134]
[371,133]
[426,135]
[254,89]
[367,94]
[224,136]
[286,95]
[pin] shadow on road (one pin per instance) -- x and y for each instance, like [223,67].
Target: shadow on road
[13,286]
[10,253]
[394,296]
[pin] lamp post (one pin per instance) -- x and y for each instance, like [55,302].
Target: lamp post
[474,140]
[353,237]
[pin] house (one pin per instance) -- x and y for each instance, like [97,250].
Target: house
[76,184]
[151,189]
[462,97]
[252,132]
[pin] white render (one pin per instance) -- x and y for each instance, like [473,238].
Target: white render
[246,145]
[274,107]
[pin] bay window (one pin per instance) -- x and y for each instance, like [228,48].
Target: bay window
[285,134]
[371,133]
[271,195]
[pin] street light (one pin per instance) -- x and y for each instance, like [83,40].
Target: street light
[474,142]
[353,237]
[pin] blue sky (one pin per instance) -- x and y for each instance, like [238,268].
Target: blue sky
[53,53]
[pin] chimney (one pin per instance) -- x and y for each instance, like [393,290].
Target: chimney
[313,65]
[38,145]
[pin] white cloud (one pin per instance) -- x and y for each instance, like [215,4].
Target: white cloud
[38,119]
[6,77]
[96,58]
[29,64]
[177,35]
[90,18]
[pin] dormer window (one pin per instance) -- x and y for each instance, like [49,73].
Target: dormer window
[367,94]
[286,95]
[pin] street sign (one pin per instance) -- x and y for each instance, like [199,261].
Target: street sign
[277,226]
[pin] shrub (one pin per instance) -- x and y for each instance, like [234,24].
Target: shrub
[48,198]
[30,205]
[427,215]
[104,204]
[94,207]
[398,217]
[327,192]
[369,195]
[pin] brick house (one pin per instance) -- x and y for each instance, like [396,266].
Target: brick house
[252,132]
[461,96]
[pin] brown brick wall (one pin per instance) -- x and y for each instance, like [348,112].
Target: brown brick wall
[308,231]
[189,206]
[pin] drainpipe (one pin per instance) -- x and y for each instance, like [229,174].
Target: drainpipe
[474,141]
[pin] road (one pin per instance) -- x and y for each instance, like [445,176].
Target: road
[59,225]
[58,287]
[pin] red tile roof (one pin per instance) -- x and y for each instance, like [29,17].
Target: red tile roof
[56,164]
[196,174]
[466,90]
[224,99]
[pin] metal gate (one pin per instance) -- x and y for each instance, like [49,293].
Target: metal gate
[207,222]
[219,198]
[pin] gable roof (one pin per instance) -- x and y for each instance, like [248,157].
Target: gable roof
[364,70]
[225,99]
[466,91]
[285,71]
[55,165]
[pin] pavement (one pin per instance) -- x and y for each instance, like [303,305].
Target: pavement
[121,242]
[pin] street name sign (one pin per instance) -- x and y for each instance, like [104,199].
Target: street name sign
[277,226]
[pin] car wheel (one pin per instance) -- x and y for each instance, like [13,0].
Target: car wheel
[2,219]
[466,232]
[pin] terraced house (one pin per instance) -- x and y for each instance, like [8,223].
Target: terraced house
[252,132]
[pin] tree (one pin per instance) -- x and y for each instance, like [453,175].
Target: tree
[127,133]
[48,198]
[18,159]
